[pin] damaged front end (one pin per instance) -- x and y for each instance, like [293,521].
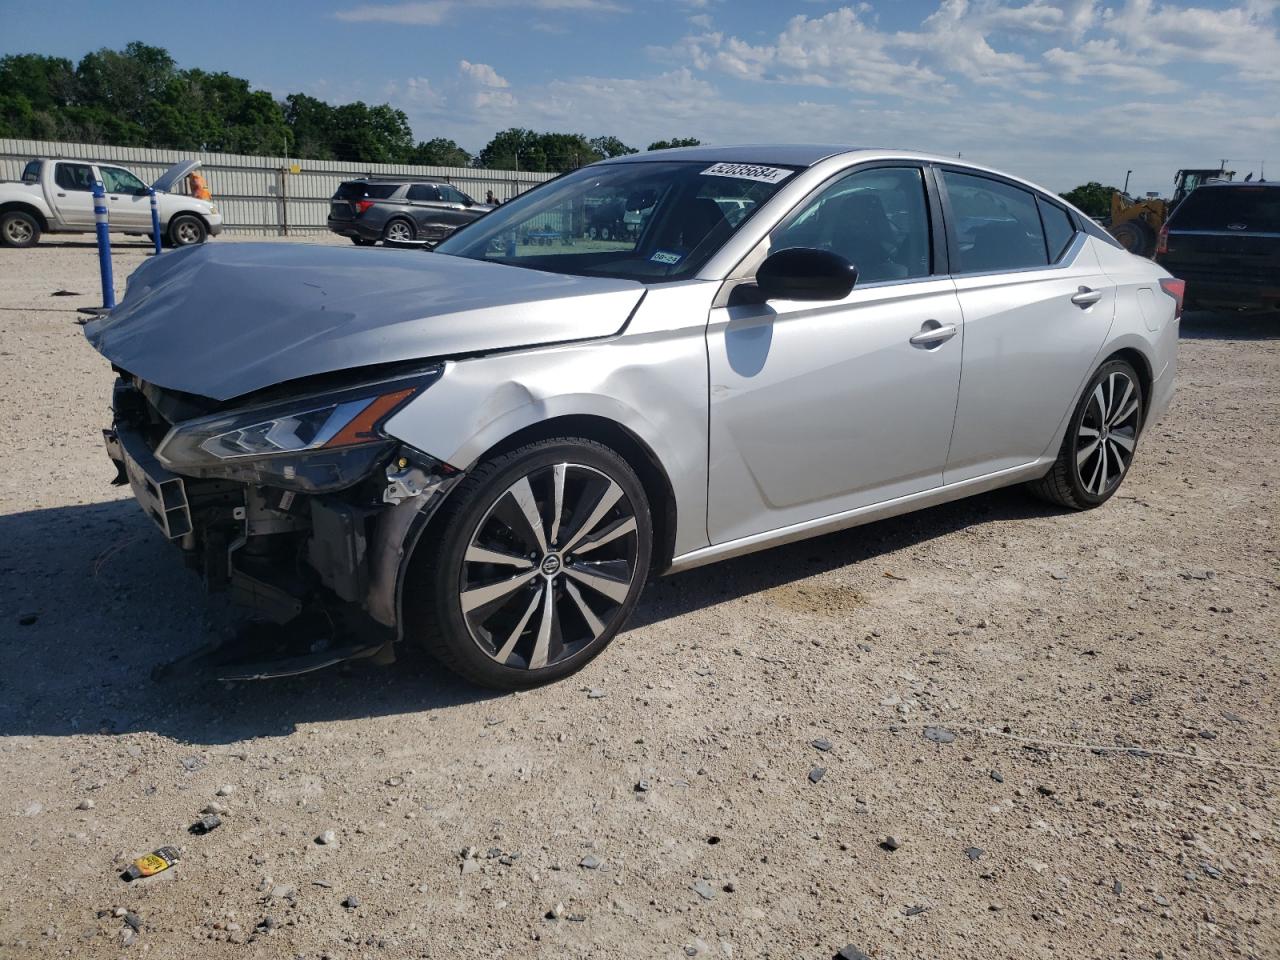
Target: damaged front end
[300,507]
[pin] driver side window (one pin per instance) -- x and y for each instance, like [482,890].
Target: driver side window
[878,220]
[115,180]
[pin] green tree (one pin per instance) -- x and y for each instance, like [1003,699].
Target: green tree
[379,134]
[440,152]
[674,142]
[521,149]
[611,147]
[513,149]
[1092,197]
[311,127]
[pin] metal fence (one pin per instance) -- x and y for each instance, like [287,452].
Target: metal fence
[263,195]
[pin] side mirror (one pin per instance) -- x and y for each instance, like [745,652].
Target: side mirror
[804,273]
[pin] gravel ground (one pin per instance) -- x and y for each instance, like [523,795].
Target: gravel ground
[1066,723]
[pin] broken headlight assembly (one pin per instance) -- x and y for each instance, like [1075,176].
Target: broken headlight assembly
[311,444]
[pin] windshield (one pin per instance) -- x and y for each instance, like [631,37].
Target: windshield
[636,221]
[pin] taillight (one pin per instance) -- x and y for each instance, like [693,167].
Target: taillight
[1162,241]
[363,205]
[1174,288]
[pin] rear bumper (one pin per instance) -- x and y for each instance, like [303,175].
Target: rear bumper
[1233,293]
[353,228]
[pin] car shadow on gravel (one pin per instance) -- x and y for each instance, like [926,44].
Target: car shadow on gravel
[682,593]
[92,599]
[1229,325]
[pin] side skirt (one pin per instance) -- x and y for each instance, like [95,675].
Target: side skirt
[854,518]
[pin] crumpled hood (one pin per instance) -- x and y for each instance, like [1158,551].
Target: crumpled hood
[225,319]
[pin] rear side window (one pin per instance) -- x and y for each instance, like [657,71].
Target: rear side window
[355,190]
[423,191]
[31,172]
[75,176]
[1059,231]
[996,225]
[1242,209]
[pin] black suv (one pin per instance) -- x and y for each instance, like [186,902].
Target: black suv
[398,210]
[1224,241]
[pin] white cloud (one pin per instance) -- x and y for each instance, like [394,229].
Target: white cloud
[1106,60]
[838,49]
[433,12]
[1062,91]
[1242,38]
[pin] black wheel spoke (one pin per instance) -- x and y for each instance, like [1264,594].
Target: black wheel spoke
[1107,433]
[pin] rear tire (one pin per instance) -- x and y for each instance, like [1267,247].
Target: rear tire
[399,229]
[1100,443]
[509,605]
[19,229]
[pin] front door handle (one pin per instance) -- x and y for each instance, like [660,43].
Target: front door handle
[934,334]
[1085,298]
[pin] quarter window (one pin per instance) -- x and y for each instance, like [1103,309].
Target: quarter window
[75,176]
[997,226]
[1059,231]
[878,220]
[423,191]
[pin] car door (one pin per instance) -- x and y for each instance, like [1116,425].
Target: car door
[128,202]
[1037,308]
[820,408]
[73,193]
[424,198]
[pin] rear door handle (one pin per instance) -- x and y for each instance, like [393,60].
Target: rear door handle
[934,334]
[1085,297]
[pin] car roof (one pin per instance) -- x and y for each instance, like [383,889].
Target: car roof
[1220,184]
[788,154]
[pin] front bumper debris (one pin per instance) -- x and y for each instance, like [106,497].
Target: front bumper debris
[320,575]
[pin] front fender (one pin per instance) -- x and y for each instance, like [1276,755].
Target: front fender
[478,403]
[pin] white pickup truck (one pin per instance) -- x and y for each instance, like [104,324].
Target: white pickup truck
[56,196]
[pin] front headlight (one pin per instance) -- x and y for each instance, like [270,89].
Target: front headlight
[312,444]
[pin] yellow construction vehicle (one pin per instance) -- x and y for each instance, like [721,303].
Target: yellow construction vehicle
[1136,222]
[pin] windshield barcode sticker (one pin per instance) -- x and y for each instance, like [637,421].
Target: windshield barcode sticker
[748,171]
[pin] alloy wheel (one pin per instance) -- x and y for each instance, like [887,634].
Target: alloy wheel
[17,231]
[188,233]
[549,567]
[1108,433]
[399,230]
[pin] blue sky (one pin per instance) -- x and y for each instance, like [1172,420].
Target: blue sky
[1061,91]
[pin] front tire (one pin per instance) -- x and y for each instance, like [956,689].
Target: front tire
[1100,442]
[186,230]
[533,565]
[19,229]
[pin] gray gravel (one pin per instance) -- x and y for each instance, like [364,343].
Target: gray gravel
[1063,650]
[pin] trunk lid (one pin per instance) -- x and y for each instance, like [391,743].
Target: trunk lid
[1226,234]
[224,320]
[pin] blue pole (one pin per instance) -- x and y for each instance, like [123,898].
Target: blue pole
[155,218]
[104,245]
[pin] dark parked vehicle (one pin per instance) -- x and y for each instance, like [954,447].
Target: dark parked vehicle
[1224,241]
[397,210]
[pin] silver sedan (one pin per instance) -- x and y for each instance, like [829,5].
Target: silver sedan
[489,449]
